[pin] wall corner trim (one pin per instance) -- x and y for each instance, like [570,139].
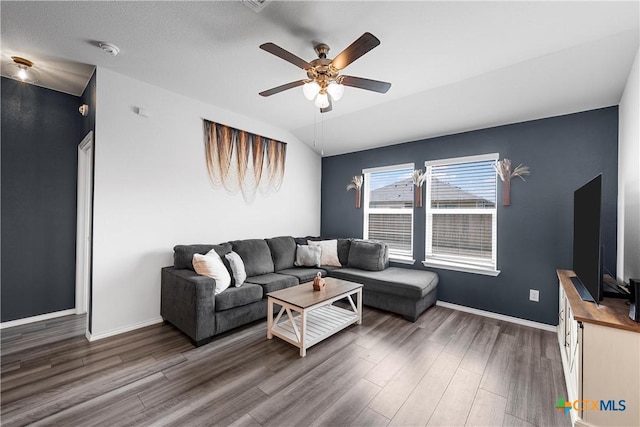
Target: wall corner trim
[96,337]
[504,317]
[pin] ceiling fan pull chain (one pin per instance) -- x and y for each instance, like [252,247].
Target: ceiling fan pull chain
[322,135]
[315,125]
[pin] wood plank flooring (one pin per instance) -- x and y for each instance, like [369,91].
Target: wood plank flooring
[447,369]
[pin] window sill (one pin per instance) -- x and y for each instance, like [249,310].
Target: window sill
[402,260]
[461,267]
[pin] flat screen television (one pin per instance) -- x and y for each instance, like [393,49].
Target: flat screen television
[587,249]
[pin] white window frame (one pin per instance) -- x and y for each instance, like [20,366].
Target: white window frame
[393,256]
[464,264]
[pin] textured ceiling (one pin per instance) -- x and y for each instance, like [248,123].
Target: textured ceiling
[454,66]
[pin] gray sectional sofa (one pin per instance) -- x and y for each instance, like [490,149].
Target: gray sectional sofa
[188,300]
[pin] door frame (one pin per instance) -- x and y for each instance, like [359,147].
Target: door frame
[84,238]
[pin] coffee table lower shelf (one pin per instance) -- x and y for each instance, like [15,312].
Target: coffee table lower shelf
[321,323]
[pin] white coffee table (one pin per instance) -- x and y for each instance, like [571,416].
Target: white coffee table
[311,315]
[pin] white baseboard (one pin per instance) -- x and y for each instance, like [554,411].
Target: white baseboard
[504,317]
[37,318]
[129,328]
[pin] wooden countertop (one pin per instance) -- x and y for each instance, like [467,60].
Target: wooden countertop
[612,312]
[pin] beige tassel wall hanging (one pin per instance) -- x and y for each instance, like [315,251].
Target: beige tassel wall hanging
[419,178]
[503,169]
[356,184]
[243,162]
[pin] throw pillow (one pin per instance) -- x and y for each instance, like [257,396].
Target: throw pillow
[308,256]
[329,253]
[237,268]
[211,265]
[368,255]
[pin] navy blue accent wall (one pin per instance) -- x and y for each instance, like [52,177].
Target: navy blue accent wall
[41,129]
[535,233]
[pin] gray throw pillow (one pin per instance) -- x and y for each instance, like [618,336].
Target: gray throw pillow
[308,256]
[368,255]
[237,268]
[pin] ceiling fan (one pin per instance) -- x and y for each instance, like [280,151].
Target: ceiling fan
[324,82]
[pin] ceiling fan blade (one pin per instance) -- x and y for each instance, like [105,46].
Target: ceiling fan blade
[364,44]
[286,55]
[327,109]
[282,88]
[367,84]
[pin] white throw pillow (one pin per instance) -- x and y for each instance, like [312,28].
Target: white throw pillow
[211,265]
[237,268]
[308,256]
[329,254]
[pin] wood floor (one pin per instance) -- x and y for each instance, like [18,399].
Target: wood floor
[449,368]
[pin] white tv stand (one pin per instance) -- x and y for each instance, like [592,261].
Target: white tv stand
[600,348]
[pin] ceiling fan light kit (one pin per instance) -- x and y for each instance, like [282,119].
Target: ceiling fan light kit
[322,100]
[336,90]
[22,70]
[325,83]
[310,90]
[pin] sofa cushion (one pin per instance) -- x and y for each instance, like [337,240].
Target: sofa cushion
[256,256]
[303,274]
[235,297]
[183,254]
[393,280]
[368,255]
[211,265]
[343,250]
[308,256]
[283,252]
[271,282]
[329,252]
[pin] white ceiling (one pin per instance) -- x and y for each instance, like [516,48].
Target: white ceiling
[454,66]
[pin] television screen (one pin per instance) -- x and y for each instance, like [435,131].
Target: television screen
[587,202]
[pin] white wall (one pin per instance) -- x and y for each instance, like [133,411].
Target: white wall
[152,192]
[629,178]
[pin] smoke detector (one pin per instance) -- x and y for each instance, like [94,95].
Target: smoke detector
[255,5]
[109,48]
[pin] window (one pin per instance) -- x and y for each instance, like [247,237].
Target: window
[461,214]
[388,209]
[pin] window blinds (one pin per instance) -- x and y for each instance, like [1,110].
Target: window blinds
[389,207]
[461,211]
